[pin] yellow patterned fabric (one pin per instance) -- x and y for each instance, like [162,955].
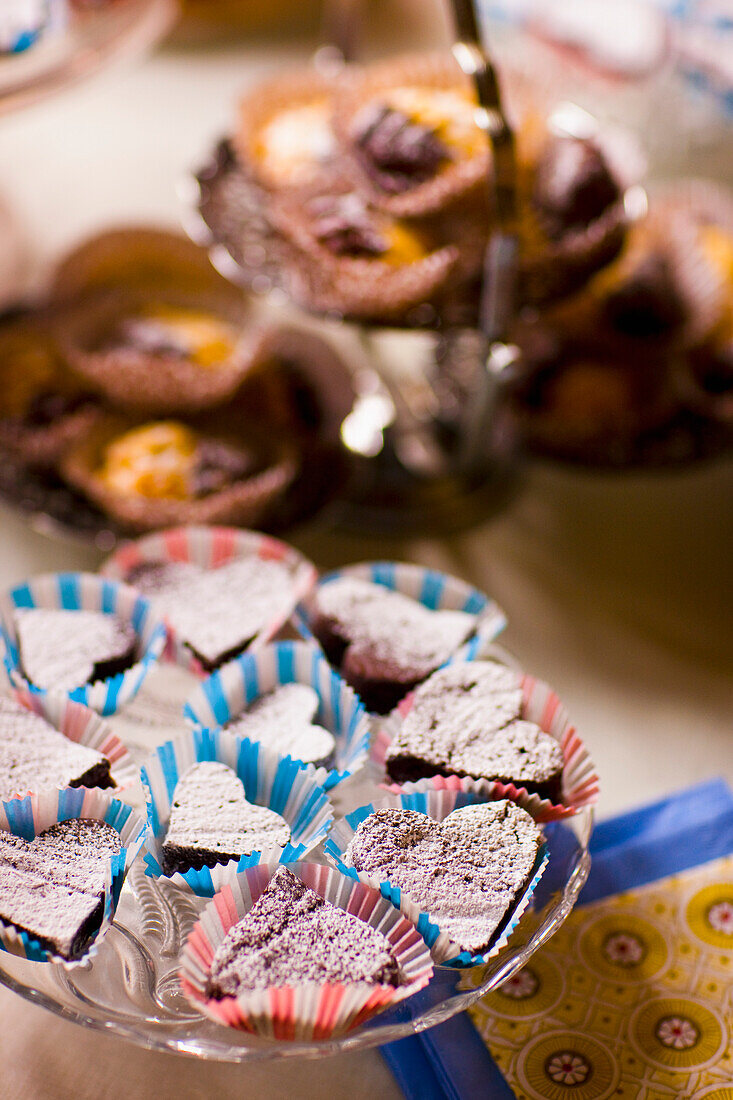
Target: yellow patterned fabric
[632,998]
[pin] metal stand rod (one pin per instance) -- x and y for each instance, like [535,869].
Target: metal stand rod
[498,289]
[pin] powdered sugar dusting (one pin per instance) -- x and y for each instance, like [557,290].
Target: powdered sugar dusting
[465,871]
[52,886]
[33,754]
[466,719]
[386,629]
[283,720]
[59,649]
[216,611]
[292,936]
[210,814]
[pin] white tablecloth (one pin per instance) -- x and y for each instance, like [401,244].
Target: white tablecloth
[617,589]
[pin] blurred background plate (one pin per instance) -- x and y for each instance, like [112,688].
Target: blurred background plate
[89,42]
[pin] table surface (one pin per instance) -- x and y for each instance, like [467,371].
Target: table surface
[617,588]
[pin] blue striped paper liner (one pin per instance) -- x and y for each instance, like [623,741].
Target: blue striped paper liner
[29,816]
[277,782]
[225,694]
[85,592]
[436,805]
[434,590]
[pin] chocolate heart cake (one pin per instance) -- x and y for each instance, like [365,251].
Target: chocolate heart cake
[215,612]
[467,720]
[211,821]
[33,755]
[282,719]
[65,649]
[384,642]
[53,887]
[466,871]
[291,936]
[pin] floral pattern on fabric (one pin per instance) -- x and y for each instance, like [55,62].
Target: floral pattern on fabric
[633,997]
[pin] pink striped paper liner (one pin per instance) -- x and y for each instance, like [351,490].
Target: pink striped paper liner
[580,783]
[210,547]
[84,726]
[312,1010]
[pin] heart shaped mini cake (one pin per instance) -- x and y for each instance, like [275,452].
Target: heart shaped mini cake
[33,755]
[292,936]
[215,612]
[283,720]
[53,886]
[65,649]
[384,642]
[211,821]
[466,720]
[466,872]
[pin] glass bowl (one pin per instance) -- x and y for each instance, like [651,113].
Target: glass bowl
[130,988]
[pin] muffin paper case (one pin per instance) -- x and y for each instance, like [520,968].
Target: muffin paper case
[436,591]
[308,1011]
[225,694]
[29,816]
[86,592]
[150,383]
[580,784]
[277,782]
[210,547]
[435,804]
[83,725]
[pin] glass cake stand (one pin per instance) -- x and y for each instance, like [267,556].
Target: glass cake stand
[85,45]
[130,988]
[430,401]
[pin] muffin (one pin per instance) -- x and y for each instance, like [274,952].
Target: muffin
[43,407]
[407,127]
[285,138]
[164,473]
[160,351]
[352,259]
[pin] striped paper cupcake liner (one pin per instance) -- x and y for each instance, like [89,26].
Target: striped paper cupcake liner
[435,804]
[580,783]
[84,726]
[434,590]
[269,780]
[85,592]
[27,817]
[228,691]
[310,1011]
[210,547]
